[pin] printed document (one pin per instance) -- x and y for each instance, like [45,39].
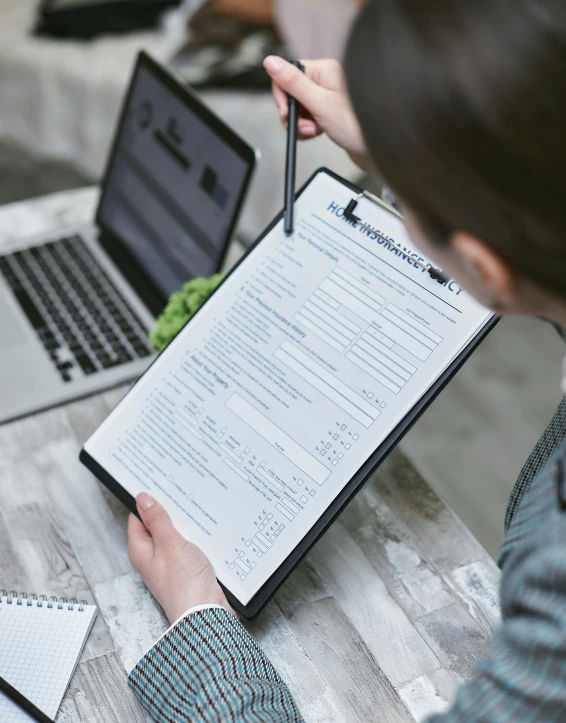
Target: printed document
[265,406]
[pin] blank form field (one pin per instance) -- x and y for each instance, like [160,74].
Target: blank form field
[322,333]
[260,544]
[237,470]
[291,505]
[285,511]
[418,325]
[275,482]
[373,372]
[372,339]
[231,453]
[410,330]
[278,438]
[407,341]
[351,282]
[242,565]
[345,298]
[262,538]
[320,307]
[328,384]
[387,366]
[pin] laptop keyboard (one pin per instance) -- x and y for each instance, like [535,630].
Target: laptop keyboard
[82,320]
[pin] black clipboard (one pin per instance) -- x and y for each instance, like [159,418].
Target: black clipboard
[265,593]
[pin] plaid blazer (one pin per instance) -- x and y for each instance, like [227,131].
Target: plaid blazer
[209,669]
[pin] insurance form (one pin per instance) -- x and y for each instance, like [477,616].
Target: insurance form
[265,406]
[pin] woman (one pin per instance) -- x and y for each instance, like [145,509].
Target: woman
[461,108]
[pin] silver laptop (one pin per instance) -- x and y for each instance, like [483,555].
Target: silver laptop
[76,306]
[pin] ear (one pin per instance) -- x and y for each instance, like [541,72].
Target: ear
[487,269]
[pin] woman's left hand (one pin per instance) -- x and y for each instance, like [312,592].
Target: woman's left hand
[178,574]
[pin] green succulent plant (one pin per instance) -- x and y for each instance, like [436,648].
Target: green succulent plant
[181,307]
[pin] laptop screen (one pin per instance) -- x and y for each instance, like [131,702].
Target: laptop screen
[175,181]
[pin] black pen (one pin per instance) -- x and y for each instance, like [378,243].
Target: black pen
[290,168]
[25,704]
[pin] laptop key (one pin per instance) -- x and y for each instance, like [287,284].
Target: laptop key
[74,300]
[29,308]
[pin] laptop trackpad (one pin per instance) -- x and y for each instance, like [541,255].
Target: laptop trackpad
[11,330]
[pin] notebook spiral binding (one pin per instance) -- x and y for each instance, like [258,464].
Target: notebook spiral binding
[22,598]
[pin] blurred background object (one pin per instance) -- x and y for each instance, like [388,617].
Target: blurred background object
[85,19]
[59,101]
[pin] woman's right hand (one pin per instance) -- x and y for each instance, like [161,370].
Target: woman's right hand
[325,105]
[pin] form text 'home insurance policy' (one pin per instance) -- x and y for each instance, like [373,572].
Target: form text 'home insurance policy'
[270,400]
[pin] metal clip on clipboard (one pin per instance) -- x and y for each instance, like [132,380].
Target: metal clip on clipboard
[349,215]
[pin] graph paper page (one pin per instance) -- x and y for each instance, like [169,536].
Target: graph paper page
[39,650]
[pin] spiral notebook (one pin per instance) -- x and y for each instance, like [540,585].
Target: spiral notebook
[41,641]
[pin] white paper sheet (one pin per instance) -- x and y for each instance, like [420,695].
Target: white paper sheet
[266,405]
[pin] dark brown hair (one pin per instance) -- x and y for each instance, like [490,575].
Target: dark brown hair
[463,108]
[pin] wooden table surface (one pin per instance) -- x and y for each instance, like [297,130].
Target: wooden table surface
[382,621]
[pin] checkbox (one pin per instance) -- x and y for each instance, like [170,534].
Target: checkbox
[219,435]
[383,405]
[259,554]
[169,479]
[262,526]
[312,493]
[277,533]
[281,528]
[191,498]
[232,566]
[242,577]
[356,436]
[248,543]
[370,395]
[301,482]
[343,427]
[340,455]
[252,565]
[348,446]
[304,499]
[262,464]
[246,450]
[335,462]
[335,436]
[224,430]
[323,452]
[328,445]
[240,554]
[269,516]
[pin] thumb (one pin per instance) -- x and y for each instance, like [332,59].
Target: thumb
[140,544]
[294,82]
[156,520]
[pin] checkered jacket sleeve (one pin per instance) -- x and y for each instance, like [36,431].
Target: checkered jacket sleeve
[524,677]
[208,669]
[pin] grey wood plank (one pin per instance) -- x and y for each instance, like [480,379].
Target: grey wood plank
[133,616]
[410,577]
[344,661]
[477,585]
[456,638]
[94,520]
[98,693]
[313,695]
[13,575]
[86,415]
[442,537]
[350,578]
[429,694]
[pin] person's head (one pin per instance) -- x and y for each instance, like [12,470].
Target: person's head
[463,107]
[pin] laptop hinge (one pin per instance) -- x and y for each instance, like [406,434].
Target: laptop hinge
[134,274]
